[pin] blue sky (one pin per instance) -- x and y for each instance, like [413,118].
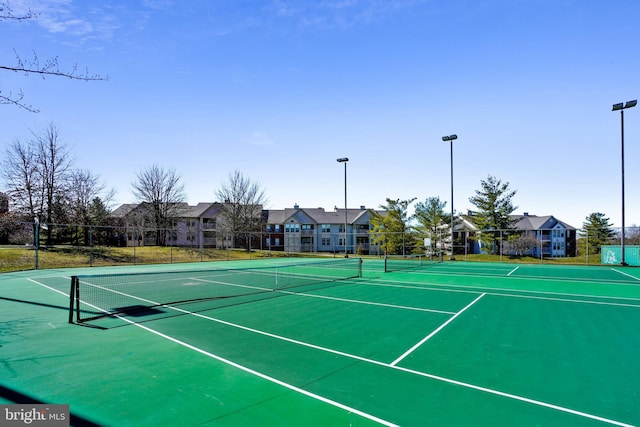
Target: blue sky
[280,89]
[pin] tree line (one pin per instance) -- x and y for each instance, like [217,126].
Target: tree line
[398,232]
[43,186]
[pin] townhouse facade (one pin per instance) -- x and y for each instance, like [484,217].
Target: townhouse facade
[544,236]
[318,230]
[194,226]
[290,230]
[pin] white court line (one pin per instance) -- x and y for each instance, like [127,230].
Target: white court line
[355,301]
[513,271]
[48,287]
[625,274]
[237,365]
[425,339]
[496,291]
[531,278]
[355,357]
[263,376]
[514,397]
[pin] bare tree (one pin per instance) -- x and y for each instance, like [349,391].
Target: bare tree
[6,13]
[20,171]
[35,172]
[161,194]
[85,193]
[54,163]
[521,244]
[242,200]
[49,67]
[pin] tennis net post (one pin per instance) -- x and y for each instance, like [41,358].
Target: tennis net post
[74,299]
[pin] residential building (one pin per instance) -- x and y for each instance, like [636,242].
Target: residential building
[538,236]
[316,230]
[194,226]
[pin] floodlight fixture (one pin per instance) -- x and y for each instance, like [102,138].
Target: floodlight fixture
[450,139]
[343,159]
[620,107]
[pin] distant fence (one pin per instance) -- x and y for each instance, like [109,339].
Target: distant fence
[27,245]
[613,255]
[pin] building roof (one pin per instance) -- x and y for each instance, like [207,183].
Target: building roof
[196,211]
[123,210]
[521,222]
[318,215]
[534,222]
[184,209]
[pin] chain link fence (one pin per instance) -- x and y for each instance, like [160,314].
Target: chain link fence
[32,245]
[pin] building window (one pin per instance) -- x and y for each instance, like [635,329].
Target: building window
[307,226]
[292,228]
[326,228]
[326,241]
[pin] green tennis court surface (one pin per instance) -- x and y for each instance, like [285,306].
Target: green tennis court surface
[449,344]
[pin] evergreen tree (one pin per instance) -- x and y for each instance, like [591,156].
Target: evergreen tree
[433,221]
[391,230]
[597,231]
[494,203]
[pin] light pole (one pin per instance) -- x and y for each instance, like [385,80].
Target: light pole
[345,160]
[451,138]
[623,107]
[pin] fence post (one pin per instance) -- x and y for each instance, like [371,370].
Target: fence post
[541,234]
[587,246]
[90,246]
[36,238]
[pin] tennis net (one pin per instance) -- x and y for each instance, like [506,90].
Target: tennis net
[102,295]
[405,262]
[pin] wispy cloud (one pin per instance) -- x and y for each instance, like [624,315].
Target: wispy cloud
[339,13]
[158,4]
[261,138]
[78,19]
